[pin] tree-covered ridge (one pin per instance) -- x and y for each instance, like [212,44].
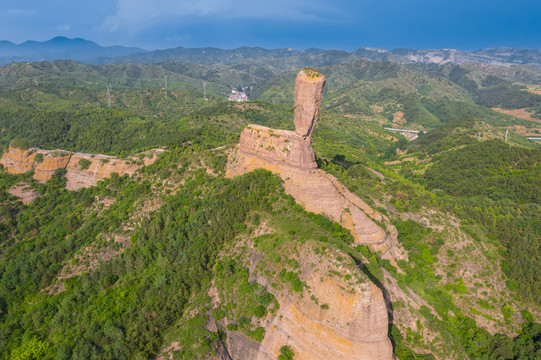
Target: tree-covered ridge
[426,95]
[154,291]
[170,255]
[492,169]
[118,131]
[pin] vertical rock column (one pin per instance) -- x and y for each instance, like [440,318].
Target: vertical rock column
[308,89]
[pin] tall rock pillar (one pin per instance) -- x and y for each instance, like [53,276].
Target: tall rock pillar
[308,88]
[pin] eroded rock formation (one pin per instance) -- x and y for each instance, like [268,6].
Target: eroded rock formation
[24,192]
[277,146]
[290,155]
[321,193]
[45,162]
[357,326]
[308,89]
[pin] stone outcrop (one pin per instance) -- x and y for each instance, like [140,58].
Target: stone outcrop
[101,167]
[321,193]
[45,162]
[277,146]
[24,192]
[308,89]
[17,161]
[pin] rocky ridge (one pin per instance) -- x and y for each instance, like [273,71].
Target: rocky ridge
[290,155]
[45,162]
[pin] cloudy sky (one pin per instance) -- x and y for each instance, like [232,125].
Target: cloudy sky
[301,24]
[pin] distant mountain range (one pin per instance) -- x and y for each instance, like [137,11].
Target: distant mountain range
[62,48]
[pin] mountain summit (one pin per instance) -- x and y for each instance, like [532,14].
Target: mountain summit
[61,48]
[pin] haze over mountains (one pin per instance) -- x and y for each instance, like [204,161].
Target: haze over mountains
[62,48]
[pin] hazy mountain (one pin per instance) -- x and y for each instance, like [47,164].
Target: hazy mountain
[492,56]
[61,48]
[320,57]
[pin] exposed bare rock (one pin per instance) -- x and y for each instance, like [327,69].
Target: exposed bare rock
[45,162]
[290,155]
[308,88]
[101,167]
[355,323]
[352,325]
[24,192]
[17,161]
[44,170]
[277,146]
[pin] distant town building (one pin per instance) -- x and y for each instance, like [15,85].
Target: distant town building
[238,96]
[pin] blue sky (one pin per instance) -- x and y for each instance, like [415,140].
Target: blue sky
[300,24]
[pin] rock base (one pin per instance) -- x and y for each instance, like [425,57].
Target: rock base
[277,146]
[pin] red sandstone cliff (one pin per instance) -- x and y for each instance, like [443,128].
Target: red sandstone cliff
[17,161]
[353,326]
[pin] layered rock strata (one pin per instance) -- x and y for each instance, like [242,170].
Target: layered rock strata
[356,328]
[277,146]
[45,162]
[352,326]
[17,161]
[320,193]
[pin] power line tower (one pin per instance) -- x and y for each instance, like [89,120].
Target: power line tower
[109,95]
[205,90]
[506,131]
[165,85]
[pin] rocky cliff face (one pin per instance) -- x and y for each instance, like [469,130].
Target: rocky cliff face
[322,193]
[101,167]
[17,161]
[277,146]
[308,89]
[352,326]
[45,162]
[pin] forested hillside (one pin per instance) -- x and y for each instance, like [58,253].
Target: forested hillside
[137,267]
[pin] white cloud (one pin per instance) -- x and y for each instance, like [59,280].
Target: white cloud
[63,28]
[132,15]
[17,12]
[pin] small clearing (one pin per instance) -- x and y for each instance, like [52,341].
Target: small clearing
[518,113]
